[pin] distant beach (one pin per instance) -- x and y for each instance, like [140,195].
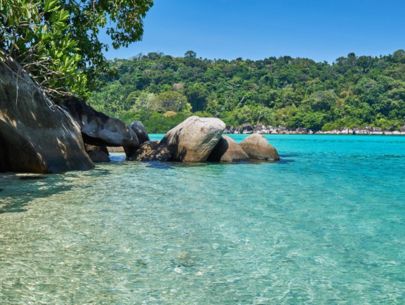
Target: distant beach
[248,129]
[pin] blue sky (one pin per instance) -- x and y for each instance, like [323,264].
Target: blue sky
[317,29]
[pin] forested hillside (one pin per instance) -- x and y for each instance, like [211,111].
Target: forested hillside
[161,90]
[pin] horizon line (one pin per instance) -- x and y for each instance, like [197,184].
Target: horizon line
[141,54]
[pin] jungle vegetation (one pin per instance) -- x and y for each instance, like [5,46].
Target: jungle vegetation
[162,90]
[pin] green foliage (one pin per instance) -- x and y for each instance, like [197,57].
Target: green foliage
[197,95]
[296,93]
[169,101]
[154,122]
[57,41]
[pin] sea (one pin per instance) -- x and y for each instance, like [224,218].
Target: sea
[325,225]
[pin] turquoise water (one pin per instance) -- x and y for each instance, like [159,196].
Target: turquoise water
[324,226]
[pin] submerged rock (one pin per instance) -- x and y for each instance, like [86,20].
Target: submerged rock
[258,148]
[184,259]
[35,134]
[99,129]
[152,151]
[227,150]
[97,154]
[194,139]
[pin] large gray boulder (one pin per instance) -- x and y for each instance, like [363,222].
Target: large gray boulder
[99,129]
[194,139]
[227,150]
[35,134]
[258,148]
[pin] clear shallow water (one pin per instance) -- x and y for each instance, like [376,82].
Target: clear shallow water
[325,226]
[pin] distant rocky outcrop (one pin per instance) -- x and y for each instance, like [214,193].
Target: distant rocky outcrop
[258,148]
[99,129]
[35,134]
[227,150]
[194,139]
[97,154]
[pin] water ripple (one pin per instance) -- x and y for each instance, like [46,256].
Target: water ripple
[324,227]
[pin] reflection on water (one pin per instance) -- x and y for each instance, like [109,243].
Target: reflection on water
[327,228]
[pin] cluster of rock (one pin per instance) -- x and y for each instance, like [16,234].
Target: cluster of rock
[363,131]
[201,139]
[37,135]
[263,129]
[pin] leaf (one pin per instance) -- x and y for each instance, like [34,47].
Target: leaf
[51,6]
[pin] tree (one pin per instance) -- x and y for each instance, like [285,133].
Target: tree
[57,40]
[322,100]
[356,91]
[190,54]
[252,114]
[399,56]
[197,95]
[144,101]
[170,101]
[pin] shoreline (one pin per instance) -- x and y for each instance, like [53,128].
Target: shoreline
[322,133]
[249,129]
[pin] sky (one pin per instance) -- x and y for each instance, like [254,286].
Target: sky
[322,30]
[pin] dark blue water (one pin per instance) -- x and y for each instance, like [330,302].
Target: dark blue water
[324,226]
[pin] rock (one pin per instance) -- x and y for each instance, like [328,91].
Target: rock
[194,139]
[258,148]
[115,149]
[97,154]
[227,150]
[229,130]
[152,151]
[246,128]
[184,259]
[35,134]
[99,129]
[140,131]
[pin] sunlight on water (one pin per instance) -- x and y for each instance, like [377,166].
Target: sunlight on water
[325,226]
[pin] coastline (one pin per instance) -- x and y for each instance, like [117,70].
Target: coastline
[248,129]
[334,133]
